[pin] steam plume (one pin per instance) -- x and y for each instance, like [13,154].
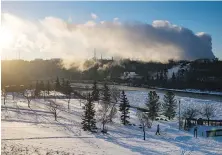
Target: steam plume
[54,37]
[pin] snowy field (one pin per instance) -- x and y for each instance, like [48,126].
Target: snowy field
[138,98]
[34,131]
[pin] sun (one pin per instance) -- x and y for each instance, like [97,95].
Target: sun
[6,37]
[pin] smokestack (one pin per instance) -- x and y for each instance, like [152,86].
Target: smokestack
[94,54]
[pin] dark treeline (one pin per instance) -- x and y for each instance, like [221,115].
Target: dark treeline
[199,74]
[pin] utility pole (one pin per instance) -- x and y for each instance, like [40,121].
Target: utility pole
[179,115]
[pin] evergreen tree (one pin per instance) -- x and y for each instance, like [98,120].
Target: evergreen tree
[48,87]
[157,76]
[161,76]
[57,86]
[124,108]
[63,86]
[68,88]
[173,77]
[153,105]
[169,105]
[42,86]
[165,75]
[95,92]
[173,81]
[68,91]
[106,94]
[88,120]
[37,89]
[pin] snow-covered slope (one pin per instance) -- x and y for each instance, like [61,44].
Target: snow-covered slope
[34,131]
[176,68]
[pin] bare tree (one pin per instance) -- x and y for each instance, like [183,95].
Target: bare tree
[13,90]
[104,115]
[13,95]
[29,94]
[54,108]
[68,97]
[190,112]
[208,111]
[144,121]
[4,94]
[44,94]
[22,90]
[115,96]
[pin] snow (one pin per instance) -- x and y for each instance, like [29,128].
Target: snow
[130,75]
[176,68]
[139,98]
[172,70]
[34,131]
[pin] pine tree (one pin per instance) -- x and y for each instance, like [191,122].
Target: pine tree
[124,108]
[165,75]
[42,86]
[63,86]
[68,91]
[173,77]
[37,89]
[161,76]
[48,87]
[169,105]
[157,77]
[153,105]
[88,120]
[95,92]
[57,86]
[106,94]
[68,88]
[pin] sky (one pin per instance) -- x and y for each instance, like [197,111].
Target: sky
[196,16]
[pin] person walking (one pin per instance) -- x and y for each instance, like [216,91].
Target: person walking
[195,131]
[158,130]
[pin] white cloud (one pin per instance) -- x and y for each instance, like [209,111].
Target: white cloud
[102,22]
[94,16]
[115,19]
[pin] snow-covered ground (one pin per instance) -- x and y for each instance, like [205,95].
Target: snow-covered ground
[34,131]
[138,98]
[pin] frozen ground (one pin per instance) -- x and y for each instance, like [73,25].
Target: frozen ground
[34,131]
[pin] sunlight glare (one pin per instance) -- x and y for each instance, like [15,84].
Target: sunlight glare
[6,37]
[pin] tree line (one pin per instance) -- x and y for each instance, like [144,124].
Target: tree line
[199,74]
